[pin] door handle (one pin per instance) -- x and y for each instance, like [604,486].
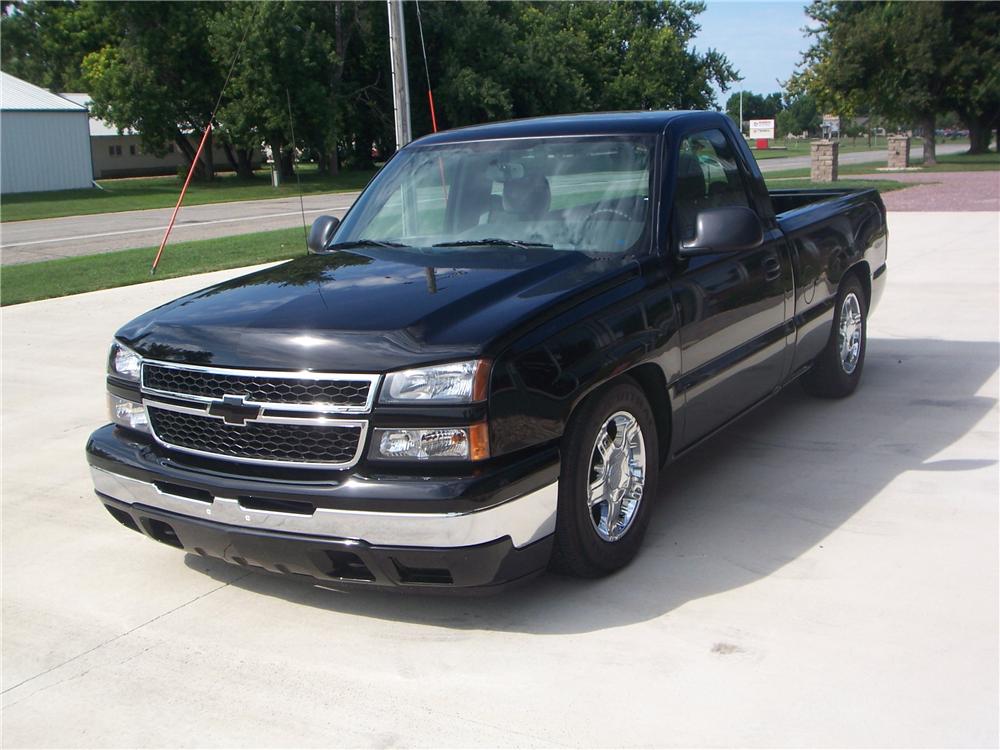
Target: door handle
[772,268]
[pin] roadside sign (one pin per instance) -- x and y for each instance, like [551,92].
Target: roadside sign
[831,124]
[761,129]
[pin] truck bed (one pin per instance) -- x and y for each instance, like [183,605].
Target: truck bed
[794,198]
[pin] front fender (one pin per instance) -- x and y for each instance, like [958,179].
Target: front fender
[540,379]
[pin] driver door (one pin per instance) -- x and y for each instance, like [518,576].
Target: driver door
[732,304]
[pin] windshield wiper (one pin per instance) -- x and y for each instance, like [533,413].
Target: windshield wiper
[364,243]
[492,241]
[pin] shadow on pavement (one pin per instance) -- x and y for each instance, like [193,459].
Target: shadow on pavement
[739,508]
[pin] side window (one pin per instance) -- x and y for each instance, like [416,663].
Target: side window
[707,177]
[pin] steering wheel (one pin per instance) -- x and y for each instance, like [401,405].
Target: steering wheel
[597,214]
[608,212]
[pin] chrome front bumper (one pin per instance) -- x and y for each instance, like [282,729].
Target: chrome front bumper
[525,519]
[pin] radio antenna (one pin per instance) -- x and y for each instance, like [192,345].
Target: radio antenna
[298,180]
[427,70]
[201,145]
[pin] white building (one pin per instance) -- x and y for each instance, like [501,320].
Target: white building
[117,154]
[44,140]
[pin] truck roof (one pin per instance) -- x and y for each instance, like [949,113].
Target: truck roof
[560,125]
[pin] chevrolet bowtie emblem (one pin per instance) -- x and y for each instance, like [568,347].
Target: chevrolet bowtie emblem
[234,410]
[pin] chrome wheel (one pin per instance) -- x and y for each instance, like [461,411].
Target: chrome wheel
[617,476]
[850,332]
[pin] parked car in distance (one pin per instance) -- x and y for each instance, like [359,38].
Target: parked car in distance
[484,370]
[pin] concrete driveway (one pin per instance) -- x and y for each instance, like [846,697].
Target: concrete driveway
[822,574]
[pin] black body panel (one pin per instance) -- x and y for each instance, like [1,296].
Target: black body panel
[341,562]
[436,489]
[707,336]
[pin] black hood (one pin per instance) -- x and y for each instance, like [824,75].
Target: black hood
[371,310]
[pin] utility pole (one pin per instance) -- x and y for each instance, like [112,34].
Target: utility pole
[741,110]
[400,80]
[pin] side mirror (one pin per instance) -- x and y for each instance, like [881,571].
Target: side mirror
[321,233]
[724,230]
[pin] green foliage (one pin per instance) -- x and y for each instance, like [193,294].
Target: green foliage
[801,115]
[161,67]
[974,68]
[287,61]
[907,61]
[158,77]
[500,60]
[45,42]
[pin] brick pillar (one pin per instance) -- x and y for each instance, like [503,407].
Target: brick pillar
[823,165]
[899,152]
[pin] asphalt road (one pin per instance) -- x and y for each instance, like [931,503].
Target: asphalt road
[856,157]
[43,239]
[824,573]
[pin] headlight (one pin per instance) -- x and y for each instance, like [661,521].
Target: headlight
[428,443]
[127,413]
[457,383]
[124,362]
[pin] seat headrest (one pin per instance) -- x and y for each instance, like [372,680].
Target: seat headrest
[528,197]
[690,178]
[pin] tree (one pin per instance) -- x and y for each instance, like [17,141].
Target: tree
[158,77]
[974,69]
[641,57]
[800,115]
[906,61]
[548,58]
[755,106]
[161,70]
[45,42]
[282,79]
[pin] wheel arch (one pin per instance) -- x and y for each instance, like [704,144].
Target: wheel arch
[653,384]
[651,381]
[863,272]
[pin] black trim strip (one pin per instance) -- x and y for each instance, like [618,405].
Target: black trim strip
[710,369]
[811,313]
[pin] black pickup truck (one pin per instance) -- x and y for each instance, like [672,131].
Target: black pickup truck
[482,370]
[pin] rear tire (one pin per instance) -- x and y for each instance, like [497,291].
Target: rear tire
[610,463]
[837,370]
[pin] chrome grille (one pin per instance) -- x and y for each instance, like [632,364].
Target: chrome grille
[259,416]
[350,393]
[258,441]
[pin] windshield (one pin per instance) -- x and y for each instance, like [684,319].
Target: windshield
[587,194]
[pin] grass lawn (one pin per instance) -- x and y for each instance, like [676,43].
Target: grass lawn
[884,186]
[28,282]
[799,147]
[946,163]
[961,163]
[161,192]
[57,278]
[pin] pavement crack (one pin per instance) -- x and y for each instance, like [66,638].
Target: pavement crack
[117,638]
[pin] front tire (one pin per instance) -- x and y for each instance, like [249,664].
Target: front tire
[837,370]
[610,466]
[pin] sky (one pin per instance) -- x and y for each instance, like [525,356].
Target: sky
[763,40]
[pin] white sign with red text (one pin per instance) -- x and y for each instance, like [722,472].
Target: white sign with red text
[761,129]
